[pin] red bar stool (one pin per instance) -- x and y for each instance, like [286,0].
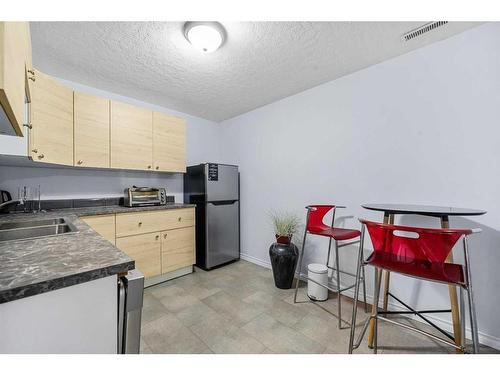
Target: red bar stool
[315,225]
[419,253]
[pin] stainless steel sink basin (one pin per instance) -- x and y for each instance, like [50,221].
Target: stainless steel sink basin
[26,230]
[32,223]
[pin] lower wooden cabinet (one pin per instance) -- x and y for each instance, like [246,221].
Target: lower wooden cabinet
[145,249]
[102,224]
[159,241]
[177,249]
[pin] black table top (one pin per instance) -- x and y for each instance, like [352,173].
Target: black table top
[422,210]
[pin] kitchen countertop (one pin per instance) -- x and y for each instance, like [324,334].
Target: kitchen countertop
[35,266]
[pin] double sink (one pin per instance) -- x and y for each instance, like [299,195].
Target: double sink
[27,230]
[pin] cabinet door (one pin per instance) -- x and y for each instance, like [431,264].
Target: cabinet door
[91,122]
[177,249]
[145,249]
[28,57]
[52,121]
[13,55]
[131,137]
[102,224]
[169,143]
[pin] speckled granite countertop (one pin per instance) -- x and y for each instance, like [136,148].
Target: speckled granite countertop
[30,267]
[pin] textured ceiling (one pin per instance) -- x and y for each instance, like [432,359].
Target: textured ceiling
[259,63]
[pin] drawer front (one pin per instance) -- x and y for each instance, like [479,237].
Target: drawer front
[177,218]
[153,221]
[137,223]
[177,249]
[102,224]
[145,249]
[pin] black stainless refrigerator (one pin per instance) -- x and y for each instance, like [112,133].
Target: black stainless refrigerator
[214,188]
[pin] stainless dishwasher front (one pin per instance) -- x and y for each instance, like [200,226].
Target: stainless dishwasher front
[130,299]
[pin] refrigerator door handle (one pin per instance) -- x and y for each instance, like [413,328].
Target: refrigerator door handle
[223,203]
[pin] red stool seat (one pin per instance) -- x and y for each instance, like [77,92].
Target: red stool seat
[339,234]
[448,273]
[315,224]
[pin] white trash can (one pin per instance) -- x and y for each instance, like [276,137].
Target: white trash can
[317,272]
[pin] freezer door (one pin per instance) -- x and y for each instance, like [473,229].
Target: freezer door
[221,182]
[223,237]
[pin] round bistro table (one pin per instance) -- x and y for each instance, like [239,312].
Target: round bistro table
[441,212]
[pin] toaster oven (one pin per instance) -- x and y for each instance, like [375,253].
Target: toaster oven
[145,196]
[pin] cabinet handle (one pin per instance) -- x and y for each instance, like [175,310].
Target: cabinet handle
[29,126]
[34,150]
[41,156]
[157,237]
[31,71]
[179,219]
[165,235]
[32,78]
[140,223]
[157,167]
[149,167]
[79,161]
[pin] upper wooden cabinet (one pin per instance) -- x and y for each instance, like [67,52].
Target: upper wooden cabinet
[52,121]
[131,137]
[15,52]
[91,126]
[169,143]
[29,70]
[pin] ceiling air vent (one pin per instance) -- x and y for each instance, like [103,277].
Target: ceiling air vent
[422,30]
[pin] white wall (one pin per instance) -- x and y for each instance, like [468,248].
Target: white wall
[421,128]
[202,145]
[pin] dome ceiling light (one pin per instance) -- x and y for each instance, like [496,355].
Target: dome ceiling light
[205,36]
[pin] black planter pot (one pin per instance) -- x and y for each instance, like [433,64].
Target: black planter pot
[283,260]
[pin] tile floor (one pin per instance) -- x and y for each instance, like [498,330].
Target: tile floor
[237,309]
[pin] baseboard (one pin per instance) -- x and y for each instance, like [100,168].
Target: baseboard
[484,338]
[150,281]
[254,260]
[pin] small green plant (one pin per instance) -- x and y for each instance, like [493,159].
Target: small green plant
[285,223]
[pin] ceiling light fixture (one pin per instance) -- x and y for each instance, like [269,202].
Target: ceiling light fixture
[205,36]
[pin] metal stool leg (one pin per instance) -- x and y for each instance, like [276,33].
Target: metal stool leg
[364,288]
[473,322]
[472,308]
[339,296]
[329,252]
[356,293]
[378,277]
[299,267]
[462,318]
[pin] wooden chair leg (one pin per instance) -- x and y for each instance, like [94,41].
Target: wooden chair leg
[371,328]
[452,291]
